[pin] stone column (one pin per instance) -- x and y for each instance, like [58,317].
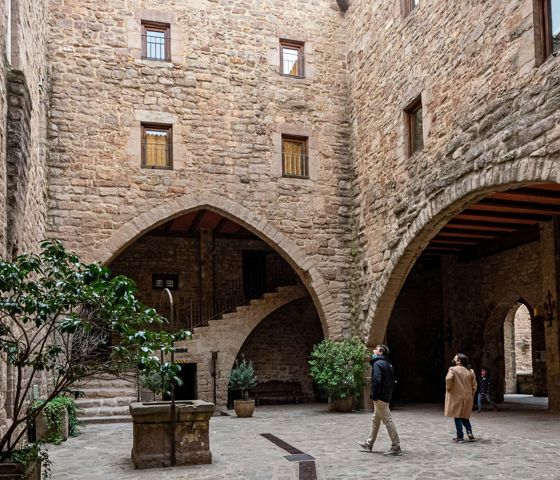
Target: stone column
[550,258]
[206,271]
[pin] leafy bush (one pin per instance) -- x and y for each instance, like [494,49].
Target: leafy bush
[54,411]
[338,367]
[58,315]
[160,385]
[242,377]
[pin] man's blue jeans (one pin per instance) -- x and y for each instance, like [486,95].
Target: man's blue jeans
[459,422]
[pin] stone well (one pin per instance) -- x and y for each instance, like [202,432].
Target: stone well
[152,433]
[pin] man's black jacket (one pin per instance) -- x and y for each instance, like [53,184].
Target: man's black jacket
[382,379]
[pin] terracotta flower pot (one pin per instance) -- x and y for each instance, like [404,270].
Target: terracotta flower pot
[244,408]
[342,404]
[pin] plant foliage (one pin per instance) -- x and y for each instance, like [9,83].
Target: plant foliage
[338,367]
[54,415]
[58,316]
[242,377]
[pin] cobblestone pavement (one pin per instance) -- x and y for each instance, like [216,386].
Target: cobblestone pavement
[517,442]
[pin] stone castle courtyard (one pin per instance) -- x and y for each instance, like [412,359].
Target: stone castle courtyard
[520,441]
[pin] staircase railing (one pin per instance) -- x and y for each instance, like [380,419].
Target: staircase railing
[192,313]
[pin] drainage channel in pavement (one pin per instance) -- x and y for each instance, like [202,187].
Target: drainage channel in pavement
[306,463]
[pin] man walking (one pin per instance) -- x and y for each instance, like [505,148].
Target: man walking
[382,384]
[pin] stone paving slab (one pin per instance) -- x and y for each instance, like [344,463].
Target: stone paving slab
[518,442]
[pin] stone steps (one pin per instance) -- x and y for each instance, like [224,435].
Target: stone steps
[106,399]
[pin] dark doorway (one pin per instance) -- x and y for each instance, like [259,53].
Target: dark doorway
[187,391]
[254,273]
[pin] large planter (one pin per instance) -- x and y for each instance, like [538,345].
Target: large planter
[244,408]
[42,430]
[152,433]
[341,404]
[16,471]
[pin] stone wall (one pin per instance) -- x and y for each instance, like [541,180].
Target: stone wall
[280,346]
[488,116]
[477,298]
[23,90]
[228,105]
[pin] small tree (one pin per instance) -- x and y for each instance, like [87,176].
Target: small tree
[338,367]
[58,315]
[242,377]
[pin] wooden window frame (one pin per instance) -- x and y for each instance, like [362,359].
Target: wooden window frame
[542,19]
[157,126]
[410,124]
[299,46]
[305,141]
[156,27]
[408,6]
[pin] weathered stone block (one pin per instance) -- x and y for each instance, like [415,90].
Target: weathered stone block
[152,433]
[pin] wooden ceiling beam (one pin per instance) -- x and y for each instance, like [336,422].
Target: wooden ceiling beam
[487,214]
[531,193]
[196,222]
[466,233]
[520,206]
[221,224]
[501,244]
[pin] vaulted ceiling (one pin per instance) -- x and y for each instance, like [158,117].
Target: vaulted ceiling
[190,225]
[499,221]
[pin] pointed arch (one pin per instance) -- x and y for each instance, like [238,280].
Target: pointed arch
[303,265]
[438,211]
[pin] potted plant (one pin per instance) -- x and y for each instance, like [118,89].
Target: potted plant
[57,316]
[57,421]
[242,377]
[338,368]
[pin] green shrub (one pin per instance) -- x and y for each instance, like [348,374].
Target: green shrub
[54,412]
[242,377]
[338,367]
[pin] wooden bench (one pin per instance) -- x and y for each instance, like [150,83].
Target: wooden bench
[276,390]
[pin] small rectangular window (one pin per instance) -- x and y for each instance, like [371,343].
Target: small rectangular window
[413,124]
[157,146]
[163,280]
[294,157]
[547,28]
[291,58]
[156,41]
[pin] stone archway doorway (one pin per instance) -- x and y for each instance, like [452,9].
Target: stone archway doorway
[225,280]
[491,253]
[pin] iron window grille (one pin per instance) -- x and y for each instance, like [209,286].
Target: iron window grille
[156,42]
[414,126]
[291,58]
[295,158]
[164,280]
[157,146]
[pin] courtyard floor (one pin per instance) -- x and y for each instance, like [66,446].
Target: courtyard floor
[521,441]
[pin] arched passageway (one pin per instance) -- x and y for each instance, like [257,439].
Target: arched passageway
[458,294]
[280,348]
[224,280]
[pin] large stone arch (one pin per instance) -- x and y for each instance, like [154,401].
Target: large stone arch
[305,266]
[438,211]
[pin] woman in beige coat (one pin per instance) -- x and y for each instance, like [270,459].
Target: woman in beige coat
[460,386]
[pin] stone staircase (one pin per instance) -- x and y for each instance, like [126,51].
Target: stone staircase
[106,399]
